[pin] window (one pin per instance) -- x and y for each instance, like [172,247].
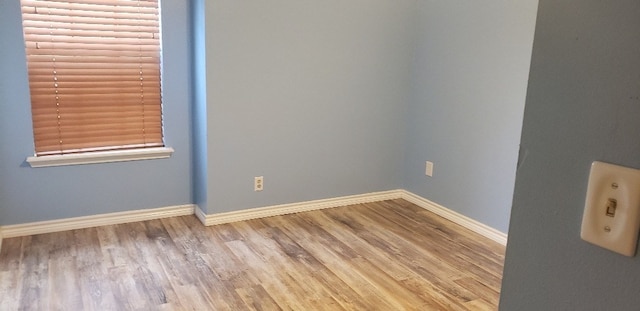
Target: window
[94,75]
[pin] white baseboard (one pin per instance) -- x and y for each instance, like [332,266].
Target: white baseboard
[228,217]
[201,215]
[283,209]
[455,217]
[93,221]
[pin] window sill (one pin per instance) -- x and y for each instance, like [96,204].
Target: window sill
[100,157]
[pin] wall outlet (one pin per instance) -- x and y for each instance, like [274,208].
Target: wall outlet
[258,183]
[429,169]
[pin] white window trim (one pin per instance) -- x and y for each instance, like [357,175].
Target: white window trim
[100,157]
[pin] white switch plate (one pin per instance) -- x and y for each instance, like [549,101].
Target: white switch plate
[612,208]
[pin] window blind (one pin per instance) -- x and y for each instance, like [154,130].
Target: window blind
[94,74]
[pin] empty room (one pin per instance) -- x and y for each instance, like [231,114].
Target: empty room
[316,155]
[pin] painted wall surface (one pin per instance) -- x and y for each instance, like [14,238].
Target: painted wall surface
[28,194]
[317,97]
[468,89]
[308,94]
[199,131]
[583,104]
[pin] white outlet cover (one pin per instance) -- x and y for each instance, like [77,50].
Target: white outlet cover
[429,169]
[617,232]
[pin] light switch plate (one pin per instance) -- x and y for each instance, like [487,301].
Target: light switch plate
[612,208]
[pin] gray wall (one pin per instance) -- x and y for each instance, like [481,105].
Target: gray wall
[469,84]
[308,94]
[28,194]
[583,104]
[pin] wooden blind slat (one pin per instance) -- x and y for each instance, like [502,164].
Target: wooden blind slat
[99,53]
[45,34]
[94,43]
[47,19]
[78,133]
[81,98]
[92,25]
[88,111]
[78,21]
[46,102]
[88,78]
[122,6]
[62,61]
[106,73]
[68,93]
[112,119]
[94,74]
[47,86]
[108,13]
[142,3]
[67,48]
[132,145]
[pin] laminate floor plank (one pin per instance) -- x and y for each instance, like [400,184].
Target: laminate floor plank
[196,253]
[283,254]
[439,272]
[11,269]
[337,265]
[379,259]
[389,255]
[458,255]
[341,291]
[398,271]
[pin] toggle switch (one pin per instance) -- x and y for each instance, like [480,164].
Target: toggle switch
[612,208]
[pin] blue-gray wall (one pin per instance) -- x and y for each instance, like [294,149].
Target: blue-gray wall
[308,94]
[583,104]
[200,126]
[322,98]
[28,194]
[469,84]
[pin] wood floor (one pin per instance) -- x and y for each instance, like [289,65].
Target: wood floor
[389,255]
